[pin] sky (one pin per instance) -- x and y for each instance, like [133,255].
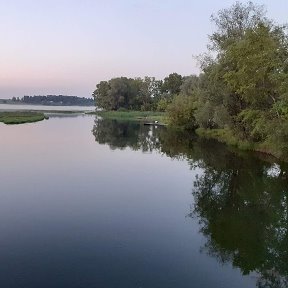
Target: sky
[68,46]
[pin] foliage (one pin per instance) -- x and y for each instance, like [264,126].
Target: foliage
[133,115]
[163,104]
[127,93]
[181,112]
[232,23]
[244,84]
[172,84]
[59,100]
[225,135]
[137,93]
[252,65]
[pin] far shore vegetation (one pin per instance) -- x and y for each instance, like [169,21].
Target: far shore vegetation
[239,98]
[50,100]
[143,116]
[19,117]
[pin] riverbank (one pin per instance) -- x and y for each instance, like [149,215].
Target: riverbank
[143,116]
[21,117]
[227,137]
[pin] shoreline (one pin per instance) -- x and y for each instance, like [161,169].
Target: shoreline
[226,137]
[140,116]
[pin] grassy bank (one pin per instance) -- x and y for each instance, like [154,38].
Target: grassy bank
[226,136]
[147,116]
[17,117]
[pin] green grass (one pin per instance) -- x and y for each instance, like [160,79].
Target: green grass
[265,148]
[146,116]
[225,136]
[16,117]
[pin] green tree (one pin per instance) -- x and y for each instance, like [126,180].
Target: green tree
[101,95]
[128,93]
[172,84]
[245,86]
[181,111]
[232,23]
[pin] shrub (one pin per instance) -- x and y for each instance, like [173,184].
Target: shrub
[181,112]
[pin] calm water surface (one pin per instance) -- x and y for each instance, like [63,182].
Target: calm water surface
[94,203]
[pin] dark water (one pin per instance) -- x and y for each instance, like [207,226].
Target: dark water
[111,204]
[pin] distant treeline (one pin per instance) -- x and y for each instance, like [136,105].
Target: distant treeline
[53,100]
[137,93]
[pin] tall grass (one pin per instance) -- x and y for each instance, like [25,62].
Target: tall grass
[21,117]
[134,115]
[225,136]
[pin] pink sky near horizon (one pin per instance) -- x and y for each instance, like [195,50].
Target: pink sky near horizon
[67,47]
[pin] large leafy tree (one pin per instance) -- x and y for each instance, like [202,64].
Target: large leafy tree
[128,93]
[232,24]
[245,84]
[101,95]
[172,84]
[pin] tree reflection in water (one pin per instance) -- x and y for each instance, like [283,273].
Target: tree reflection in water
[242,206]
[240,200]
[122,134]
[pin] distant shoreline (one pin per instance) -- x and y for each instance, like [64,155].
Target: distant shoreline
[6,107]
[50,100]
[10,102]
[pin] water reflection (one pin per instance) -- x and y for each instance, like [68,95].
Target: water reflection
[122,134]
[242,206]
[240,200]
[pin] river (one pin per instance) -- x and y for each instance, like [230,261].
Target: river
[88,202]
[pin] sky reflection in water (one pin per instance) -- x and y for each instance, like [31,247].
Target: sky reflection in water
[114,208]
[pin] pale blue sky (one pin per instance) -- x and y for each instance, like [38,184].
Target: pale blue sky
[68,46]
